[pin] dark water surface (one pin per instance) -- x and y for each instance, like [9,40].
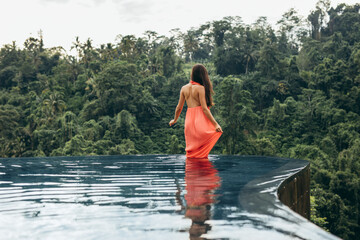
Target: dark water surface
[148,197]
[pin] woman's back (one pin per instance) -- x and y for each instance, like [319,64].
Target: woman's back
[191,93]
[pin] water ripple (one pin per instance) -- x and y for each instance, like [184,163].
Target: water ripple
[132,197]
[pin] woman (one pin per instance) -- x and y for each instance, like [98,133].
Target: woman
[201,129]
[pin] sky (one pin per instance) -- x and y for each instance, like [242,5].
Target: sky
[61,21]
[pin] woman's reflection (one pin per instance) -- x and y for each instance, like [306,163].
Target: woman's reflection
[201,180]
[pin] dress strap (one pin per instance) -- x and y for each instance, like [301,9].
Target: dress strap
[196,83]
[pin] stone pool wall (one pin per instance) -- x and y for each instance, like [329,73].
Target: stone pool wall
[295,192]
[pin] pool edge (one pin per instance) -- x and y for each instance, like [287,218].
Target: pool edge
[294,192]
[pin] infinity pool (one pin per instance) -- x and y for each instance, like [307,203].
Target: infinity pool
[148,197]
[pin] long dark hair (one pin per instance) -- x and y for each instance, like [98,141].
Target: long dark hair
[200,75]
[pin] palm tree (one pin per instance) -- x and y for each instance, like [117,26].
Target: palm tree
[54,104]
[8,121]
[191,44]
[250,55]
[68,123]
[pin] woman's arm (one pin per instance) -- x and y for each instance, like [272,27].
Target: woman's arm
[179,108]
[206,109]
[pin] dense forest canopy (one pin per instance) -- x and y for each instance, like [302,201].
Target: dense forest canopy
[292,92]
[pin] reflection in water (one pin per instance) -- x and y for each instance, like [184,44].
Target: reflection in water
[132,197]
[201,180]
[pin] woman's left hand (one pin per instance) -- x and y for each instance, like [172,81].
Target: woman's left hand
[218,128]
[172,122]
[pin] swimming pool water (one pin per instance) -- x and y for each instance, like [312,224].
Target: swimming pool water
[145,197]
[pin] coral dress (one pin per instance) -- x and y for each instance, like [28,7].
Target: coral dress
[200,133]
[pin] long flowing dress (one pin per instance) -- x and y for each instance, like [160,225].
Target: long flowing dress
[200,133]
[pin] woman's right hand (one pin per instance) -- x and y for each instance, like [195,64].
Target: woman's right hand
[172,122]
[218,128]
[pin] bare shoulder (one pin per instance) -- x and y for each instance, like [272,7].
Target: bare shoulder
[200,87]
[183,88]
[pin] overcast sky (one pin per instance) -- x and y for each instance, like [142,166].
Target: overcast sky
[102,20]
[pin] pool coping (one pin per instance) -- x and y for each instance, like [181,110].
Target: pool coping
[278,195]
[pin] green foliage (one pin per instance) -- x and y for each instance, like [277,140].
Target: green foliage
[264,146]
[175,147]
[237,116]
[314,216]
[125,148]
